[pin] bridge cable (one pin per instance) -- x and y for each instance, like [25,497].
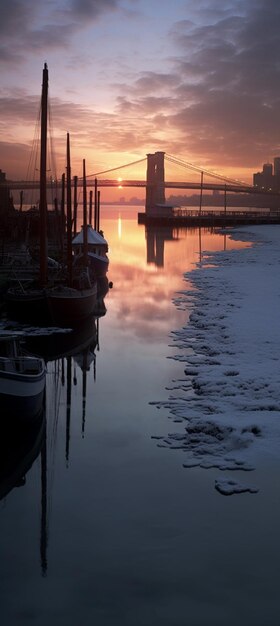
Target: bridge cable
[113,169]
[196,168]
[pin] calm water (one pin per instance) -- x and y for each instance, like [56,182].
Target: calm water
[109,529]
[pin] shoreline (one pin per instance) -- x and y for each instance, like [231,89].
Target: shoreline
[230,397]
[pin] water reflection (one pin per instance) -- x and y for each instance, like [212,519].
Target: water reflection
[70,357]
[104,488]
[19,447]
[155,238]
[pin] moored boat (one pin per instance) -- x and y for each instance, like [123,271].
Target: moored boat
[27,305]
[22,381]
[55,344]
[97,250]
[69,306]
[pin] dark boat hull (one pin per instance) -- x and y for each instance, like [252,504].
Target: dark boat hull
[57,345]
[98,264]
[30,306]
[22,409]
[70,307]
[22,394]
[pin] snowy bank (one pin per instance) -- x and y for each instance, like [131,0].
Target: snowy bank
[230,347]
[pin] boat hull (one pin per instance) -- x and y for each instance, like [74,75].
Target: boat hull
[58,345]
[29,307]
[22,393]
[70,307]
[98,264]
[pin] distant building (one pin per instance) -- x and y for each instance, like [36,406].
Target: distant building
[269,178]
[276,166]
[277,173]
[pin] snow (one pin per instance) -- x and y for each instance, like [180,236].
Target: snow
[230,347]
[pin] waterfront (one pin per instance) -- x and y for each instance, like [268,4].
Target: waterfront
[130,537]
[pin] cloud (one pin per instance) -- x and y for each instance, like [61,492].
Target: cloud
[222,93]
[15,15]
[34,25]
[91,9]
[15,156]
[215,98]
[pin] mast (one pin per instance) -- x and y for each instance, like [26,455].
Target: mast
[43,178]
[90,208]
[85,237]
[95,203]
[69,214]
[75,203]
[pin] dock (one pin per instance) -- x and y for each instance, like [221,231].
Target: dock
[207,218]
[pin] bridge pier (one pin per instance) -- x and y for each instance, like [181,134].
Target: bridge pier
[155,188]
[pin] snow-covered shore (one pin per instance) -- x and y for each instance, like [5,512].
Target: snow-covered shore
[230,347]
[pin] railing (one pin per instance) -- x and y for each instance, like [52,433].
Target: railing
[183,212]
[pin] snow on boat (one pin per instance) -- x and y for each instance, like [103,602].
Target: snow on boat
[97,248]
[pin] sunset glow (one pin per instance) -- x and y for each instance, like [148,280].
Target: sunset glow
[184,82]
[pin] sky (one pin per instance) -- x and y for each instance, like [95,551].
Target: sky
[197,79]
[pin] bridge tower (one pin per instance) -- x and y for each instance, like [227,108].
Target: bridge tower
[155,188]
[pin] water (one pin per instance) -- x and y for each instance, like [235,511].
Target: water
[108,528]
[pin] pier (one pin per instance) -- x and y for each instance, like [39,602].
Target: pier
[177,217]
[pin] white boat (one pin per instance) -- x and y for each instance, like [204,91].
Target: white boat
[22,381]
[97,248]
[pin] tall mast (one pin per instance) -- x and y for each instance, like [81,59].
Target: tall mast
[43,179]
[69,214]
[85,233]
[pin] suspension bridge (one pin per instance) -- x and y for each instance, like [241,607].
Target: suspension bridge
[155,183]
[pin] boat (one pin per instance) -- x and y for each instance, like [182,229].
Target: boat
[22,381]
[97,250]
[74,302]
[54,344]
[70,306]
[30,303]
[27,304]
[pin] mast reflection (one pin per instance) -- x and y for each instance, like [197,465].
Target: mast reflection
[22,443]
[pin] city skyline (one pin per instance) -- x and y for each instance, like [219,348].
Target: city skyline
[195,79]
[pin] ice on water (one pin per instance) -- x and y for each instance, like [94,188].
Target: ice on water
[228,403]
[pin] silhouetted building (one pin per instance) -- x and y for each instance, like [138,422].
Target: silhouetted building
[277,166]
[269,178]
